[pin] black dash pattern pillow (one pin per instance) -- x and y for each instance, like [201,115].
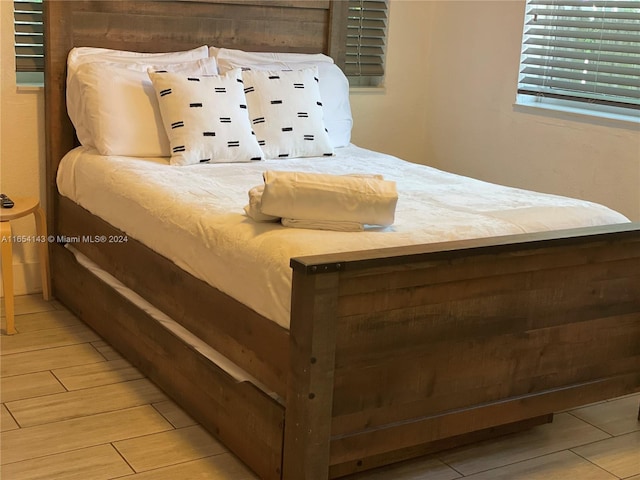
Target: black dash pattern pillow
[286,112]
[206,118]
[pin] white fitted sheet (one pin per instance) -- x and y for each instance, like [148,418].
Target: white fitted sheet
[194,215]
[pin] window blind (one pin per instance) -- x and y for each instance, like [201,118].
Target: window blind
[366,32]
[582,50]
[28,35]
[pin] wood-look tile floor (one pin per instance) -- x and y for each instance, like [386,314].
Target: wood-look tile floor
[72,408]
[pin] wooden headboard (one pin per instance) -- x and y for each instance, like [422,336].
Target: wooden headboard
[306,26]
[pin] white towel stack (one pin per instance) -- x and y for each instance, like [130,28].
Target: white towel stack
[254,208]
[322,201]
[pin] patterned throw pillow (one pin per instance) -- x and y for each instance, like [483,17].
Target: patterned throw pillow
[286,112]
[206,118]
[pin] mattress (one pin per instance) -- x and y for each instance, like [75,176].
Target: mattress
[194,215]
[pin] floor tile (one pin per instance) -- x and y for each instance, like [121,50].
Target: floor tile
[417,469]
[107,351]
[174,414]
[218,467]
[96,463]
[556,466]
[618,455]
[637,395]
[566,431]
[81,403]
[68,435]
[44,320]
[29,385]
[96,374]
[616,417]
[47,359]
[6,420]
[52,337]
[168,448]
[23,304]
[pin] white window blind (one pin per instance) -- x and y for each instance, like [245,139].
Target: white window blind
[582,50]
[28,35]
[366,37]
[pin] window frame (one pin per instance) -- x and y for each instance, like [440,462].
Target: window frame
[366,41]
[589,103]
[28,35]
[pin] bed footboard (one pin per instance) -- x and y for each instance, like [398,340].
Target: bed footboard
[397,353]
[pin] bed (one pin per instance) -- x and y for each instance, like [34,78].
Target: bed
[381,354]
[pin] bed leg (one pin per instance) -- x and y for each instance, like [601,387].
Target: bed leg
[307,429]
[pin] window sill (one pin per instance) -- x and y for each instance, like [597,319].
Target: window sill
[595,114]
[29,87]
[373,90]
[29,80]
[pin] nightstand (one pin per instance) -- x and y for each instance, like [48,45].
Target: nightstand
[22,207]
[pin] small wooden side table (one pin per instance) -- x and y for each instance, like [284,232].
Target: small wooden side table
[21,208]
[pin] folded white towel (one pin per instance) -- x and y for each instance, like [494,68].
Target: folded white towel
[253,210]
[365,199]
[323,225]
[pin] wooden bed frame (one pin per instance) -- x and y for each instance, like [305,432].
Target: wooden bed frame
[391,353]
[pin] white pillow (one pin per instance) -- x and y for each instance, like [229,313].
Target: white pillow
[81,55]
[121,110]
[286,112]
[266,58]
[334,86]
[206,118]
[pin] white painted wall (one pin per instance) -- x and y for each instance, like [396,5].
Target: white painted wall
[21,152]
[447,102]
[393,119]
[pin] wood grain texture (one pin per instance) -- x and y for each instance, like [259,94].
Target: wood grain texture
[244,418]
[391,352]
[556,465]
[621,463]
[168,448]
[51,439]
[569,432]
[254,343]
[363,464]
[310,394]
[172,453]
[480,340]
[81,403]
[29,385]
[101,462]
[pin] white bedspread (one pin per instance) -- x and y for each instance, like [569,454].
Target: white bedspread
[194,215]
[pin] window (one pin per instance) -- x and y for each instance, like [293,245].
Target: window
[366,38]
[27,15]
[582,51]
